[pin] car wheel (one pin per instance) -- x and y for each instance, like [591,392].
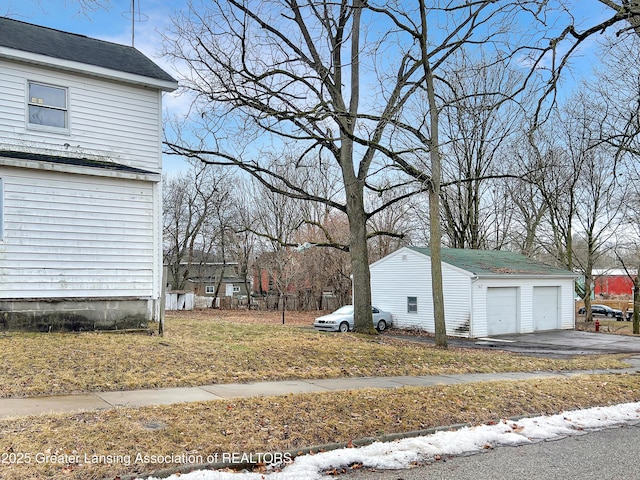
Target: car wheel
[609,314]
[344,327]
[382,326]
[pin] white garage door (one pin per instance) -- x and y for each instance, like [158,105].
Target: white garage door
[502,310]
[545,308]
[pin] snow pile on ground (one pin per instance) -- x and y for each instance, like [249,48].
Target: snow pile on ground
[402,453]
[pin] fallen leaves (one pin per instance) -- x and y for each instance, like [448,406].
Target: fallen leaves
[517,428]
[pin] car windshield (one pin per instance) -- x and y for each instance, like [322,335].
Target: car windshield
[346,310]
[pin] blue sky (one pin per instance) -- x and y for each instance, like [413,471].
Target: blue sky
[114,24]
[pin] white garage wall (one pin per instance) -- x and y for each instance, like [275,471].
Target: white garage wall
[406,273]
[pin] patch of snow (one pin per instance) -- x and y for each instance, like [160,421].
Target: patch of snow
[402,453]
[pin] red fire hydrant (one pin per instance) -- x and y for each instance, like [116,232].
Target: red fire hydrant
[597,325]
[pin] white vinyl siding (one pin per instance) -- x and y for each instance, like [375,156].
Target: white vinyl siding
[406,274]
[72,235]
[112,121]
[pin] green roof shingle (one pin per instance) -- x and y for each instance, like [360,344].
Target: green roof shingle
[494,262]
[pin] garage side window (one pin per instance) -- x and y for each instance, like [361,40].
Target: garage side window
[412,304]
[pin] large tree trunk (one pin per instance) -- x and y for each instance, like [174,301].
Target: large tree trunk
[354,189]
[588,287]
[363,319]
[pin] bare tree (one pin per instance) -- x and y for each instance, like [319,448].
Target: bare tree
[390,228]
[618,86]
[476,123]
[190,203]
[582,197]
[529,215]
[291,72]
[276,221]
[244,248]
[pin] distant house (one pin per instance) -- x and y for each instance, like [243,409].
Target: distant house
[485,292]
[80,173]
[206,279]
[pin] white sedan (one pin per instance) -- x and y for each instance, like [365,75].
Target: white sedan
[342,320]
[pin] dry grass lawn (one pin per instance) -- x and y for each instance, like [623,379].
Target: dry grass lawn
[202,348]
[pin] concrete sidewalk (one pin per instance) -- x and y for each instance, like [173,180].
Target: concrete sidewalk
[18,407]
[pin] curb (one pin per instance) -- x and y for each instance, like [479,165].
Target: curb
[292,454]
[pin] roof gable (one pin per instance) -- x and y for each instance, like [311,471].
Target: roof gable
[57,44]
[494,262]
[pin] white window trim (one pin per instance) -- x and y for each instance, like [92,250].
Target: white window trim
[209,289]
[409,305]
[48,128]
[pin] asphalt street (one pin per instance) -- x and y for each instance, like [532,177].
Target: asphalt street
[610,454]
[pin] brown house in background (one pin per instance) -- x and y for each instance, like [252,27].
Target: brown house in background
[214,279]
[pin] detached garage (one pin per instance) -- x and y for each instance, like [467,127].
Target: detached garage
[485,292]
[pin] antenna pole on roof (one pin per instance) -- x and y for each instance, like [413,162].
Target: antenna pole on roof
[133,13]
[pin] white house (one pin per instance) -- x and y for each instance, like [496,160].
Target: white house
[80,181]
[485,292]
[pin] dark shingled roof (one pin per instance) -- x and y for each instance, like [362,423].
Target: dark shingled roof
[78,48]
[494,262]
[82,162]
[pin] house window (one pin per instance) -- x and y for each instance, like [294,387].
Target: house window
[210,289]
[47,106]
[412,304]
[236,289]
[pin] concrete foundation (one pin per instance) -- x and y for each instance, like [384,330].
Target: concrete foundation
[63,315]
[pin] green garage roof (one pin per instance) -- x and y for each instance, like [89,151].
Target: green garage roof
[495,262]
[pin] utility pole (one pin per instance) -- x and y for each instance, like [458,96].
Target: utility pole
[636,303]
